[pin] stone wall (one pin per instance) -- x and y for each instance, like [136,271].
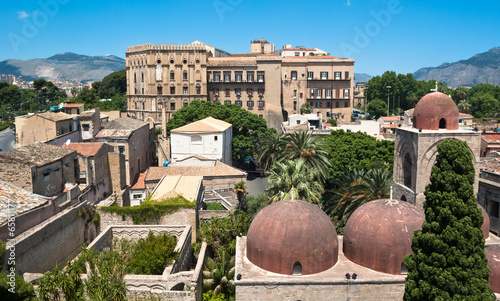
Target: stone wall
[54,241]
[218,182]
[31,218]
[206,215]
[117,171]
[350,290]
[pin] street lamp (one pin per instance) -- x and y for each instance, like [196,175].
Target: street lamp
[388,94]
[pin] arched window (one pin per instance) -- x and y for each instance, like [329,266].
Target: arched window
[198,89]
[159,90]
[407,170]
[172,89]
[185,75]
[403,198]
[198,75]
[142,75]
[185,103]
[297,269]
[195,139]
[153,105]
[442,123]
[172,75]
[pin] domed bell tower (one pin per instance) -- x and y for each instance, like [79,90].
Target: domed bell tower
[435,118]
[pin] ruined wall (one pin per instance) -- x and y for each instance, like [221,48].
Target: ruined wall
[54,241]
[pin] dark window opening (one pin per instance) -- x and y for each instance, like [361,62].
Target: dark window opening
[442,123]
[403,198]
[297,269]
[495,206]
[404,269]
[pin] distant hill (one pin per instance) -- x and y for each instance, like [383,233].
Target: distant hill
[361,77]
[64,66]
[481,68]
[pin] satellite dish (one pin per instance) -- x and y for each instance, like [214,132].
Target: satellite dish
[68,142]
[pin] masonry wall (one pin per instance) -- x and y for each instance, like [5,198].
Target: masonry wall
[346,290]
[116,163]
[54,241]
[33,129]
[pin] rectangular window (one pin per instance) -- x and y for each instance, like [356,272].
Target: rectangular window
[237,91]
[338,75]
[318,104]
[227,77]
[86,127]
[227,102]
[346,93]
[327,104]
[250,103]
[227,92]
[172,75]
[250,77]
[337,104]
[216,77]
[260,78]
[137,196]
[318,93]
[121,149]
[172,90]
[301,95]
[347,75]
[172,106]
[346,104]
[312,93]
[295,105]
[82,175]
[46,176]
[495,207]
[296,53]
[250,91]
[198,90]
[324,75]
[216,92]
[185,76]
[261,92]
[328,93]
[238,103]
[185,90]
[260,103]
[238,77]
[310,75]
[294,75]
[215,138]
[294,94]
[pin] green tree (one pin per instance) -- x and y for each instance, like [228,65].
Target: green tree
[270,150]
[306,108]
[303,145]
[113,84]
[377,108]
[293,180]
[219,275]
[88,97]
[463,105]
[449,260]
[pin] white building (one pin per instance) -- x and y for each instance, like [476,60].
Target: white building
[209,137]
[288,50]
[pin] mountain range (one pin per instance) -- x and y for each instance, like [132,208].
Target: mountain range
[481,68]
[64,66]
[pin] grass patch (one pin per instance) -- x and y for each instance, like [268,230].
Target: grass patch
[151,211]
[215,206]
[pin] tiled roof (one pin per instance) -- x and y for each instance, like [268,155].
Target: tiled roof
[139,184]
[491,138]
[54,116]
[125,123]
[391,118]
[72,105]
[206,125]
[15,200]
[85,149]
[87,114]
[172,186]
[37,154]
[492,165]
[155,173]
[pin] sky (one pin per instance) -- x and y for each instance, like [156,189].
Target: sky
[381,35]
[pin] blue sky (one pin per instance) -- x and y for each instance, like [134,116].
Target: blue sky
[380,35]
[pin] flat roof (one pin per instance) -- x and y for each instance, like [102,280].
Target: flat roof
[173,186]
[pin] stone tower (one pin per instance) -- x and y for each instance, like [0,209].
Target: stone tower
[435,119]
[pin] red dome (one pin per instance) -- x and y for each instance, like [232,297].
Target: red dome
[434,111]
[378,234]
[485,227]
[493,254]
[290,234]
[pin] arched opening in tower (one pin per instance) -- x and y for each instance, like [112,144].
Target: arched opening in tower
[297,269]
[407,167]
[442,123]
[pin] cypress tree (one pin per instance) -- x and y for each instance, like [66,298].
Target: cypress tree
[449,260]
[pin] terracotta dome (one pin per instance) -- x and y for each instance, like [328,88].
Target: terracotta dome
[493,255]
[485,227]
[434,111]
[378,234]
[293,238]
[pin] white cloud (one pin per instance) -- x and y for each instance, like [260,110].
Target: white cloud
[22,14]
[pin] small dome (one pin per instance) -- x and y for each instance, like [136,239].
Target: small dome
[436,111]
[378,234]
[493,254]
[292,237]
[485,227]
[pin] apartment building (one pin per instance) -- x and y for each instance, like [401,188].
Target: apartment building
[265,82]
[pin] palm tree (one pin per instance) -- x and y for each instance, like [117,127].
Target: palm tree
[270,150]
[240,188]
[219,275]
[303,145]
[463,105]
[292,180]
[353,189]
